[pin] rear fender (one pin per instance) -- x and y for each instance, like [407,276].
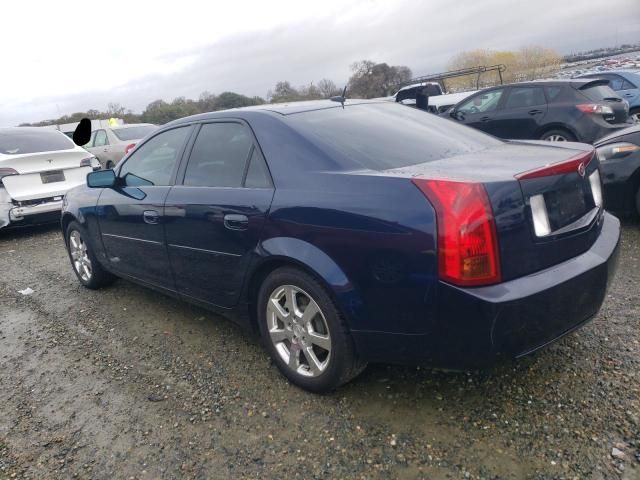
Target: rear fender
[316,261]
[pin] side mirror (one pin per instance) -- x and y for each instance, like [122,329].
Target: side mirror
[82,133]
[102,179]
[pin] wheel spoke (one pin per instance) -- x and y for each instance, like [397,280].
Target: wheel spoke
[309,312]
[290,299]
[315,365]
[322,341]
[294,357]
[278,336]
[274,307]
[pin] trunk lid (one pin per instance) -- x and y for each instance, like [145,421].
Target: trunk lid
[44,174]
[525,180]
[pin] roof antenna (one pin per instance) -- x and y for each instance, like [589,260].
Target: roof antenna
[340,98]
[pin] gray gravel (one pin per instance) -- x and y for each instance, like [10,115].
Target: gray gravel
[127,383]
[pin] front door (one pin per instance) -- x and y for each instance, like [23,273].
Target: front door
[479,110]
[522,113]
[131,216]
[214,218]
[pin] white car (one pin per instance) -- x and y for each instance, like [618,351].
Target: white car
[37,167]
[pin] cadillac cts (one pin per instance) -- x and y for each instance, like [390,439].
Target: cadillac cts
[355,233]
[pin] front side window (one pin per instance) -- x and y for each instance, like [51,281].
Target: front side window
[100,139]
[154,161]
[219,156]
[615,82]
[525,97]
[482,103]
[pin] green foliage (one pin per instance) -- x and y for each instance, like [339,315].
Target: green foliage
[371,80]
[159,111]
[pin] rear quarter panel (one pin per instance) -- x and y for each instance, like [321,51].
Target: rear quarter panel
[372,241]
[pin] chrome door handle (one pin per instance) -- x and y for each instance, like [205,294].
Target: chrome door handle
[151,217]
[233,221]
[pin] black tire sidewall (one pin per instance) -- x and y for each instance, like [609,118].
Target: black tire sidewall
[338,370]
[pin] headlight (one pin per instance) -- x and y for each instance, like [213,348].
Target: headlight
[616,150]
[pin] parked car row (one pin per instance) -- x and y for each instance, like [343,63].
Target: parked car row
[39,165]
[581,110]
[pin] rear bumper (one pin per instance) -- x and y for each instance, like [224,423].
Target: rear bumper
[475,327]
[18,213]
[29,214]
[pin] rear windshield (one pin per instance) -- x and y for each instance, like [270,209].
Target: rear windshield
[133,133]
[599,92]
[17,141]
[382,136]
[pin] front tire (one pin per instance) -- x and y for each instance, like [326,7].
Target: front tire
[304,332]
[634,114]
[85,265]
[558,135]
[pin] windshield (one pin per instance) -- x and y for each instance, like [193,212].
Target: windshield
[134,132]
[19,141]
[381,136]
[599,92]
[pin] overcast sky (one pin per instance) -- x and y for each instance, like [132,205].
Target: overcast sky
[62,57]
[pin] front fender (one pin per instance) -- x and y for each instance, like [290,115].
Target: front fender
[312,258]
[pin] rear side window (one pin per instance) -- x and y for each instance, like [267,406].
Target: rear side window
[134,132]
[219,156]
[154,161]
[257,173]
[18,141]
[525,97]
[553,93]
[100,139]
[385,135]
[599,92]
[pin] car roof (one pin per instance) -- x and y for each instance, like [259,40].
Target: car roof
[284,109]
[129,125]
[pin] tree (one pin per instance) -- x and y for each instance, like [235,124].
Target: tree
[283,92]
[370,79]
[327,88]
[528,63]
[115,110]
[235,100]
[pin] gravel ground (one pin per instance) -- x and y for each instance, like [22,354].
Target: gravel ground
[127,383]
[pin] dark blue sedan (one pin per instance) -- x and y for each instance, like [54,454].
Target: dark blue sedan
[355,233]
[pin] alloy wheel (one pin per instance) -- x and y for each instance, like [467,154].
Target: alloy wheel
[298,330]
[80,256]
[556,138]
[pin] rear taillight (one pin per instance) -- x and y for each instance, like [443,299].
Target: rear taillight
[86,162]
[577,163]
[595,108]
[129,148]
[467,238]
[5,172]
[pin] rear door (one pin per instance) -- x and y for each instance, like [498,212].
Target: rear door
[522,113]
[479,110]
[131,215]
[215,217]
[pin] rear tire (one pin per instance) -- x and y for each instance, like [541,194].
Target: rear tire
[304,333]
[110,165]
[638,202]
[635,114]
[85,265]
[558,135]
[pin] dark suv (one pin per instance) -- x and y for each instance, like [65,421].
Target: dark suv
[559,110]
